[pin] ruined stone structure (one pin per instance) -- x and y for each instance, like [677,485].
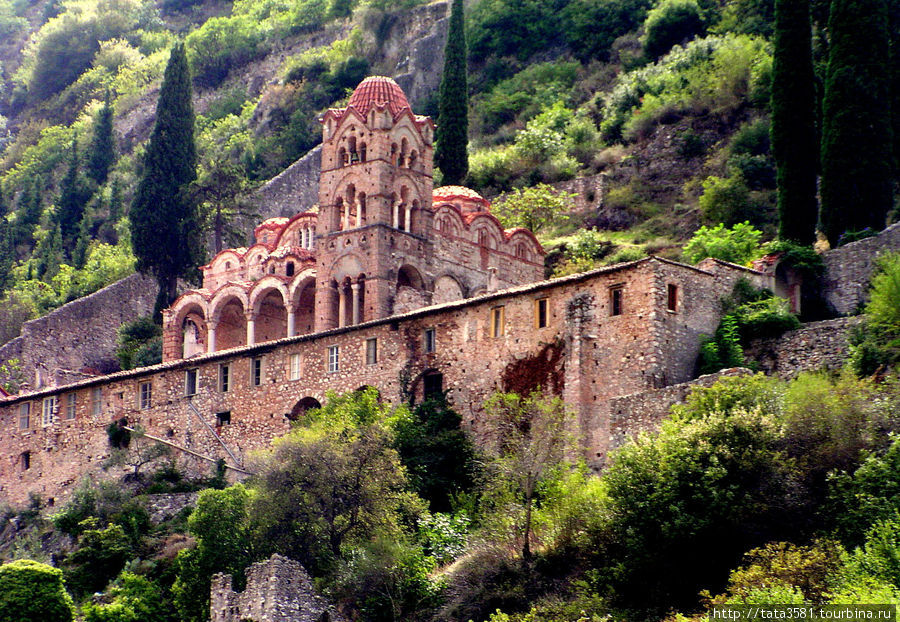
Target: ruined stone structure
[278,590]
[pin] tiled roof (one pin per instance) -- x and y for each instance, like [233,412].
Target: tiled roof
[378,91]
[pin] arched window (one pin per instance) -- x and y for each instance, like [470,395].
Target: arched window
[362,152]
[412,158]
[289,269]
[342,157]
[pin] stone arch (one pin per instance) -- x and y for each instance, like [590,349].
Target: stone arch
[449,220]
[189,324]
[409,276]
[302,406]
[526,239]
[255,260]
[303,301]
[349,265]
[228,311]
[268,304]
[430,382]
[447,289]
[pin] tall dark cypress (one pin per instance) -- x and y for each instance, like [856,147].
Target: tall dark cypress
[856,126]
[452,133]
[794,140]
[165,231]
[102,152]
[73,197]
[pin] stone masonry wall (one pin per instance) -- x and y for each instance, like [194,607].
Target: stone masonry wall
[646,410]
[849,269]
[81,335]
[278,590]
[585,353]
[163,507]
[817,345]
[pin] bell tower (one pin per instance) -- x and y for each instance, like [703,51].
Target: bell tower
[375,210]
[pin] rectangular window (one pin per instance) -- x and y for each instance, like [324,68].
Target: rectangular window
[145,395]
[333,358]
[224,377]
[540,312]
[672,298]
[25,416]
[256,369]
[48,411]
[433,385]
[497,321]
[25,460]
[97,401]
[371,351]
[430,341]
[71,402]
[190,382]
[295,367]
[223,418]
[615,300]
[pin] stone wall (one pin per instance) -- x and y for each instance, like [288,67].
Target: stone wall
[163,507]
[295,189]
[278,590]
[79,338]
[817,345]
[848,269]
[646,410]
[587,352]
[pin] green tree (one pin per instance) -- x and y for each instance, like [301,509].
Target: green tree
[100,556]
[794,137]
[856,125]
[452,133]
[73,197]
[28,212]
[220,191]
[132,598]
[534,208]
[33,592]
[165,231]
[7,254]
[102,153]
[670,23]
[132,336]
[220,523]
[738,244]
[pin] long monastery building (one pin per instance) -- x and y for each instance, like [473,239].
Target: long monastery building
[388,283]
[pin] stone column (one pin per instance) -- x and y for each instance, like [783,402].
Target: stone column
[354,289]
[342,305]
[346,215]
[408,222]
[251,329]
[395,223]
[291,321]
[211,336]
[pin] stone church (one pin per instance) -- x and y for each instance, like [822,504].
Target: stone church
[388,283]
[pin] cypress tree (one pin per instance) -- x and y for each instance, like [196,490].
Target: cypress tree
[856,127]
[7,254]
[164,222]
[452,133]
[73,197]
[102,152]
[28,208]
[794,140]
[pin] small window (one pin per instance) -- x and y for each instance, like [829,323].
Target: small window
[48,411]
[432,384]
[497,321]
[190,382]
[371,351]
[295,367]
[430,341]
[223,418]
[25,460]
[145,395]
[672,298]
[615,300]
[71,403]
[289,269]
[540,312]
[25,416]
[333,358]
[224,377]
[256,369]
[272,269]
[97,401]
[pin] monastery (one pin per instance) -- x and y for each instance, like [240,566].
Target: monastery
[388,283]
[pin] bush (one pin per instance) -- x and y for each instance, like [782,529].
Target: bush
[132,337]
[592,26]
[738,244]
[670,23]
[99,557]
[220,45]
[33,592]
[878,344]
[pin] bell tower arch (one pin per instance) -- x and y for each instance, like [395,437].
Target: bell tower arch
[374,202]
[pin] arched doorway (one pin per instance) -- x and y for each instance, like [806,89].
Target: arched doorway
[301,407]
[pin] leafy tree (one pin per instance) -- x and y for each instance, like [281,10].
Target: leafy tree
[794,137]
[28,210]
[133,335]
[73,197]
[856,125]
[452,133]
[670,23]
[132,598]
[220,523]
[725,199]
[100,556]
[513,27]
[102,152]
[592,25]
[7,254]
[527,440]
[33,592]
[877,344]
[165,232]
[534,208]
[738,244]
[220,192]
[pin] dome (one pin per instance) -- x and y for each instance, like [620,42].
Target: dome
[466,199]
[378,91]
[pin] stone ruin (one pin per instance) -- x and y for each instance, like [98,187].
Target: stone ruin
[278,590]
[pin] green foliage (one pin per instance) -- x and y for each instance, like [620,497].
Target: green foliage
[33,592]
[73,197]
[444,536]
[438,455]
[877,344]
[100,556]
[513,28]
[670,23]
[592,25]
[164,224]
[452,133]
[794,136]
[738,244]
[723,350]
[131,598]
[102,152]
[132,336]
[220,45]
[535,208]
[856,125]
[221,524]
[725,199]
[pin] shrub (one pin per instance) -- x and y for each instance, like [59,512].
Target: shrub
[132,336]
[220,45]
[592,26]
[738,244]
[33,592]
[724,199]
[670,23]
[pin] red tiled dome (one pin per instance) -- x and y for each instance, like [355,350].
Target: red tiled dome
[378,91]
[471,200]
